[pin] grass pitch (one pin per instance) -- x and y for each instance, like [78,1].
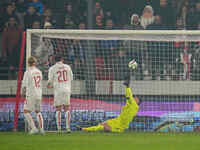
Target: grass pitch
[100,141]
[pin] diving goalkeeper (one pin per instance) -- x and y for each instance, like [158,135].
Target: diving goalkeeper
[128,112]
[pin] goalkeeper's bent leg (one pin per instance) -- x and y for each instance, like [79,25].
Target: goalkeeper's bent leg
[99,127]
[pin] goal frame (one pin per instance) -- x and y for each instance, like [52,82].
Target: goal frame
[110,35]
[177,35]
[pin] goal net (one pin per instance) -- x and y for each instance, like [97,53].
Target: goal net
[166,79]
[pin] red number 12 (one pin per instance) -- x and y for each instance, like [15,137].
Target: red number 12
[37,80]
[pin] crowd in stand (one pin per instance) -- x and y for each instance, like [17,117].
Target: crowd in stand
[17,16]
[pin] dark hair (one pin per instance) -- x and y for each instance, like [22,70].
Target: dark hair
[58,57]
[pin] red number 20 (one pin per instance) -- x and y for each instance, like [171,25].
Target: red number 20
[37,80]
[62,76]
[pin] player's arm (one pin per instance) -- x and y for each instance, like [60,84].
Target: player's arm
[41,78]
[24,84]
[71,74]
[50,78]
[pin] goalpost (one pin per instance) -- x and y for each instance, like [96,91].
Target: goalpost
[166,80]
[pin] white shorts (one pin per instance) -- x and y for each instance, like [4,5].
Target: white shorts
[61,98]
[32,104]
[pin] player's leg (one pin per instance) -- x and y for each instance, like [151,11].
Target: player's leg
[58,105]
[66,102]
[39,116]
[98,127]
[67,118]
[58,117]
[40,121]
[27,114]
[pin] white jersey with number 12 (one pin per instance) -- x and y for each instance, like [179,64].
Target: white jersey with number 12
[32,82]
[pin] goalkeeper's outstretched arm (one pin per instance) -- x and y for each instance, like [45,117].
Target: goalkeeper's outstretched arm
[129,111]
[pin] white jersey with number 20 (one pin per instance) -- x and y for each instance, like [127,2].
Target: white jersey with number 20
[60,76]
[32,82]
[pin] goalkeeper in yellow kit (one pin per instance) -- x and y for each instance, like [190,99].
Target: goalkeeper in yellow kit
[120,123]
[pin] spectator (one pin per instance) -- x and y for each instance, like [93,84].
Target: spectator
[179,24]
[109,24]
[135,22]
[191,22]
[5,16]
[194,19]
[109,50]
[186,61]
[4,69]
[120,72]
[178,47]
[21,6]
[78,69]
[38,6]
[82,26]
[196,62]
[157,25]
[13,4]
[69,21]
[36,25]
[183,14]
[147,17]
[78,50]
[197,10]
[30,17]
[48,25]
[69,10]
[109,15]
[198,26]
[98,11]
[47,16]
[20,11]
[99,22]
[166,11]
[157,50]
[83,17]
[51,60]
[11,45]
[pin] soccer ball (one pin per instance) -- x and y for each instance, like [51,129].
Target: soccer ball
[132,64]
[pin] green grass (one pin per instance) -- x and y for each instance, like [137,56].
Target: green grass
[100,141]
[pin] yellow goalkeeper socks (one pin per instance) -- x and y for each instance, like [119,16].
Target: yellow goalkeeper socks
[94,128]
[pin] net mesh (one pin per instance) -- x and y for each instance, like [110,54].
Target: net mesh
[166,79]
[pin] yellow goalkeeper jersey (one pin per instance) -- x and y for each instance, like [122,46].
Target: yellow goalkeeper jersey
[129,111]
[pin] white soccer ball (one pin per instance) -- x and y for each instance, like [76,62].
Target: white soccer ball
[132,64]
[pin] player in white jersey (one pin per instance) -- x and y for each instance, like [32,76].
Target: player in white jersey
[32,88]
[60,77]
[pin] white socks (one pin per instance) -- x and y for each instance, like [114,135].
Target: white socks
[40,121]
[30,121]
[58,120]
[67,117]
